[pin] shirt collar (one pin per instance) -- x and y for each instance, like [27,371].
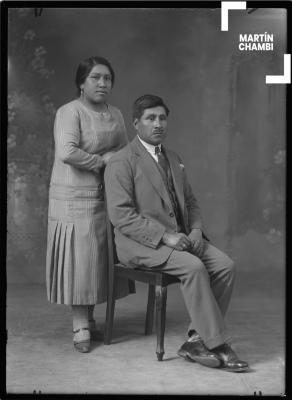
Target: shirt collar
[149,147]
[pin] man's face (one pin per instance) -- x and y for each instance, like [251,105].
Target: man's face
[152,126]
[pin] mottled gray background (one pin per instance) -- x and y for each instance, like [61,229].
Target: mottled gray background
[225,122]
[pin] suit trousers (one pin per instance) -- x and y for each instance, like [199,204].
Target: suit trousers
[206,286]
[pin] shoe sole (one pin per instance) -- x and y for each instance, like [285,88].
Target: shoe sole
[244,369]
[207,362]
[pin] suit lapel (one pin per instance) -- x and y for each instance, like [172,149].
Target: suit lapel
[150,170]
[177,179]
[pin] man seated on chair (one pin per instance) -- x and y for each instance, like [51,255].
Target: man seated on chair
[158,225]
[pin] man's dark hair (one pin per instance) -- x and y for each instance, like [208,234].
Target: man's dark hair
[147,101]
[86,66]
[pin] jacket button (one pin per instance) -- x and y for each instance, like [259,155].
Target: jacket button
[171,214]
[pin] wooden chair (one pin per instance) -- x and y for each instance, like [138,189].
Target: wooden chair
[157,294]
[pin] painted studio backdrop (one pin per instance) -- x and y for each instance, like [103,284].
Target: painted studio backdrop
[225,122]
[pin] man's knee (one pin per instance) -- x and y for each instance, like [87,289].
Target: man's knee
[196,267]
[187,266]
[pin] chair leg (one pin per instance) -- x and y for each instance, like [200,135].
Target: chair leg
[161,296]
[150,310]
[110,310]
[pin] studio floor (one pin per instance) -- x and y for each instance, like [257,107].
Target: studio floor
[41,357]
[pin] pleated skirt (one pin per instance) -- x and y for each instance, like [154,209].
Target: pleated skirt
[77,258]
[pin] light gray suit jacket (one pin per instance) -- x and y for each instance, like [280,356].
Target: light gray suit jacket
[139,205]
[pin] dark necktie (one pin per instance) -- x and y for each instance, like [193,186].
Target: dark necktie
[161,159]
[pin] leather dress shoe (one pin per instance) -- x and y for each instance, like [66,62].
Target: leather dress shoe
[198,352]
[82,344]
[229,360]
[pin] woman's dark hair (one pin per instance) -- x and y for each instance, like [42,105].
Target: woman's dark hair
[147,101]
[86,66]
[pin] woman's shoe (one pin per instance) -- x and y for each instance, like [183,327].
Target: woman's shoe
[81,340]
[95,334]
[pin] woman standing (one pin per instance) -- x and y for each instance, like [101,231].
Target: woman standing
[87,132]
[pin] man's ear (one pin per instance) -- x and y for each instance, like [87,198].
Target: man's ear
[135,123]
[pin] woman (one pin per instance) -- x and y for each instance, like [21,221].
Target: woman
[87,132]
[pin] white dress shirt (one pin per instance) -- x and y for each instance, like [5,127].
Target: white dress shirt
[150,148]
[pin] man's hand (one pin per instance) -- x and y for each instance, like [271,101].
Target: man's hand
[106,156]
[178,241]
[197,242]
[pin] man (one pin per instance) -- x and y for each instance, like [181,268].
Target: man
[158,225]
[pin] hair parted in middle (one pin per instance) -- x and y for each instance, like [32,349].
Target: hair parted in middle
[86,66]
[147,101]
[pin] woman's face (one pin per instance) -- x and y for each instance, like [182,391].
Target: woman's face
[97,85]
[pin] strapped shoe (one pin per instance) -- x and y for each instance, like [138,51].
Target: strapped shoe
[82,341]
[229,360]
[198,352]
[95,334]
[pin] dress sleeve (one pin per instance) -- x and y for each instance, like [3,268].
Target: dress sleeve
[124,135]
[67,139]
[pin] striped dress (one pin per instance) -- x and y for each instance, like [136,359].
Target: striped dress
[76,262]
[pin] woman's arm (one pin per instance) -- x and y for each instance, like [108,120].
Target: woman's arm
[67,139]
[124,140]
